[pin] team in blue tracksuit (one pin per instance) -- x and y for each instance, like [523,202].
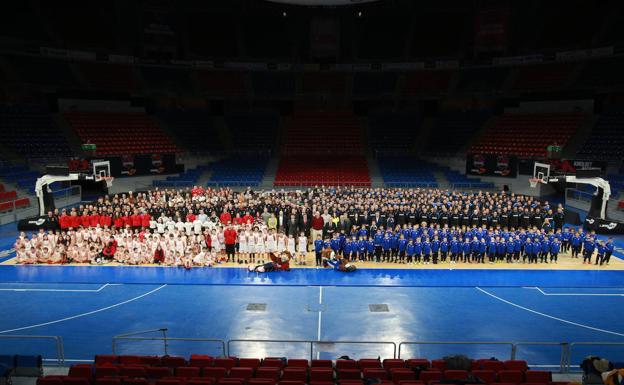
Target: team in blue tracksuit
[589,246]
[427,251]
[555,246]
[435,249]
[510,249]
[501,247]
[600,252]
[410,251]
[544,251]
[318,248]
[444,248]
[402,246]
[491,250]
[474,249]
[455,248]
[609,247]
[417,250]
[575,243]
[378,239]
[482,250]
[386,245]
[466,250]
[464,244]
[531,249]
[566,238]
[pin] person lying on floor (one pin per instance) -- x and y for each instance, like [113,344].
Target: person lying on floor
[330,260]
[278,262]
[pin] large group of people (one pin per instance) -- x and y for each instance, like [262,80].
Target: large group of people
[204,227]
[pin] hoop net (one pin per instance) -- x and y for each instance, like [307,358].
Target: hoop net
[108,180]
[533,182]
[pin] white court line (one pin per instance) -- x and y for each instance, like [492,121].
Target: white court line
[549,316]
[83,314]
[575,294]
[68,290]
[320,319]
[318,333]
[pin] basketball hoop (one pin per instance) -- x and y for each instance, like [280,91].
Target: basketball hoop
[533,182]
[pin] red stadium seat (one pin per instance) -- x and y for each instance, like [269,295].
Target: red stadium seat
[298,363]
[155,372]
[173,362]
[130,360]
[495,366]
[438,365]
[151,360]
[537,376]
[369,363]
[200,361]
[261,381]
[346,364]
[273,362]
[321,374]
[76,381]
[106,359]
[230,381]
[81,371]
[108,381]
[272,373]
[322,364]
[393,363]
[289,382]
[169,381]
[511,376]
[214,372]
[375,373]
[455,374]
[418,362]
[106,371]
[202,381]
[348,374]
[132,371]
[249,362]
[428,376]
[295,374]
[187,371]
[135,381]
[402,374]
[516,365]
[227,363]
[487,376]
[241,373]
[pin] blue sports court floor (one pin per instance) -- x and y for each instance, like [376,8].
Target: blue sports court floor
[87,306]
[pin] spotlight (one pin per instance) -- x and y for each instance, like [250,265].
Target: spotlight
[284,14]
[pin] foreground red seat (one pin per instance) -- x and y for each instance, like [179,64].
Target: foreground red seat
[511,376]
[295,374]
[487,376]
[516,365]
[537,376]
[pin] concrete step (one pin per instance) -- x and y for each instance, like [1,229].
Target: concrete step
[269,173]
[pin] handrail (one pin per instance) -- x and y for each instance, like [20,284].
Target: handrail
[573,344]
[511,344]
[564,356]
[315,342]
[166,341]
[60,350]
